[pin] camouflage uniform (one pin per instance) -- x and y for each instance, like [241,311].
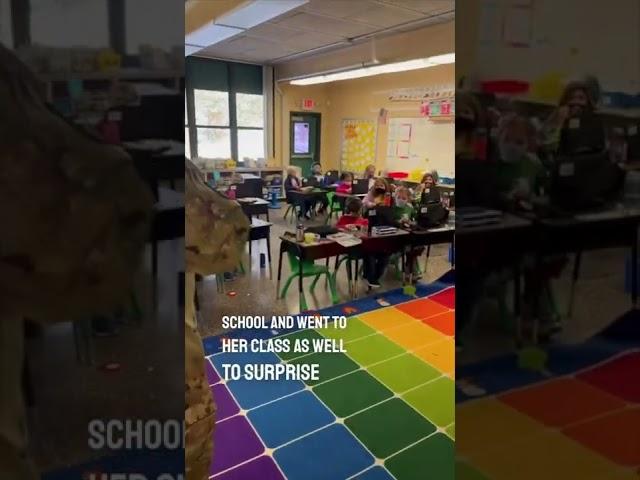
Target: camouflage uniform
[215,231]
[79,217]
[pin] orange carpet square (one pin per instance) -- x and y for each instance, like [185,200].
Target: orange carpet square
[615,436]
[562,402]
[443,322]
[422,308]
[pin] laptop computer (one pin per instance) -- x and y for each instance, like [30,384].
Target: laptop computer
[584,181]
[380,216]
[430,195]
[431,215]
[360,186]
[582,134]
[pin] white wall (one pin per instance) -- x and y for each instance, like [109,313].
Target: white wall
[570,37]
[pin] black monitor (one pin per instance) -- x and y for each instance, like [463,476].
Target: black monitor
[251,187]
[584,181]
[430,195]
[310,182]
[380,216]
[582,134]
[476,183]
[331,177]
[360,186]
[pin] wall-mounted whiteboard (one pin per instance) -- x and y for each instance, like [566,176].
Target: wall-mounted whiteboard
[421,144]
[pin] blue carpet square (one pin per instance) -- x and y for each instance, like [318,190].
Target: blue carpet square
[253,393]
[289,418]
[332,453]
[375,473]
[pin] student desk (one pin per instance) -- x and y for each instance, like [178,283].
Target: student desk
[254,207]
[486,248]
[614,227]
[168,222]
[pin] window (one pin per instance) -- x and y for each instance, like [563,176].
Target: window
[228,109]
[187,142]
[301,138]
[65,23]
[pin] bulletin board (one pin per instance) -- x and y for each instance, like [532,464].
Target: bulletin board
[421,144]
[358,144]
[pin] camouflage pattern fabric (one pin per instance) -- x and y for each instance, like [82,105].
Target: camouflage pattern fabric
[78,217]
[215,232]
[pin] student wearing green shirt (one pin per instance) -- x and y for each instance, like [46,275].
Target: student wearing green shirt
[403,210]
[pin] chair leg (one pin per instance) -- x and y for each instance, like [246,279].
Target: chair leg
[287,284]
[332,288]
[313,284]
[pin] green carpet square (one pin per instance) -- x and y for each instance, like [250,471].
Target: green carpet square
[434,400]
[373,349]
[389,427]
[331,365]
[464,471]
[355,329]
[431,459]
[403,373]
[302,334]
[352,393]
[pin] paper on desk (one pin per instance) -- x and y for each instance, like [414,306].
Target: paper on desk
[345,239]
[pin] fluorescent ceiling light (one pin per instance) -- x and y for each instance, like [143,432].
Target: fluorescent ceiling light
[237,21]
[258,12]
[379,69]
[210,34]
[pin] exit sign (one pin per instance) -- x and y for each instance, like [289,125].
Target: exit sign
[308,104]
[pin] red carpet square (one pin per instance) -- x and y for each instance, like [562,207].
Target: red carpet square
[422,308]
[616,436]
[562,402]
[446,298]
[619,377]
[443,322]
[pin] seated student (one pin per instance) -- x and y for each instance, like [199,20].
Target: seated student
[370,174]
[403,211]
[293,183]
[520,174]
[353,214]
[344,184]
[429,180]
[378,193]
[576,99]
[317,180]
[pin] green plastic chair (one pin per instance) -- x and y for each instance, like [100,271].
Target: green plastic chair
[334,206]
[309,269]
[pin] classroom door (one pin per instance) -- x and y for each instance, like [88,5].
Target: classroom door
[304,145]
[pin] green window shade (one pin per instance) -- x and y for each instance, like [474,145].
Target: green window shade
[246,78]
[205,74]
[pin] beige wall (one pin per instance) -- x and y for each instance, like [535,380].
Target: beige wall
[361,99]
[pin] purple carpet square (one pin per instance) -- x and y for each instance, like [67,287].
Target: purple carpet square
[235,442]
[263,468]
[226,406]
[212,375]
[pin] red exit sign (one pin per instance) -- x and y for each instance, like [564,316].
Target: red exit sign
[308,104]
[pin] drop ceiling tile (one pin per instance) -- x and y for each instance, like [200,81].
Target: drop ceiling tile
[430,7]
[273,31]
[385,16]
[338,8]
[325,24]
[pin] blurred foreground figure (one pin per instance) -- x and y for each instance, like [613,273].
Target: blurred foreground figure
[215,232]
[75,219]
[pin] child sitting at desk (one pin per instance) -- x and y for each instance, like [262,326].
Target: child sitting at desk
[293,184]
[520,173]
[353,214]
[429,180]
[370,174]
[317,180]
[377,193]
[344,185]
[403,211]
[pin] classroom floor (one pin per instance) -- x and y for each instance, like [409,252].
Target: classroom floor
[148,385]
[255,291]
[579,419]
[396,420]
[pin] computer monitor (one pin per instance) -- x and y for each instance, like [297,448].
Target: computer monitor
[331,177]
[430,195]
[431,215]
[359,186]
[476,183]
[582,134]
[310,182]
[584,181]
[380,216]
